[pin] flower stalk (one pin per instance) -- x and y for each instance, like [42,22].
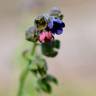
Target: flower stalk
[25,72]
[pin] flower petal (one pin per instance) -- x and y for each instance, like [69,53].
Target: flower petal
[62,24]
[50,24]
[60,31]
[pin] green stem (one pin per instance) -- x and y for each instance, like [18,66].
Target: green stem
[33,50]
[25,73]
[22,81]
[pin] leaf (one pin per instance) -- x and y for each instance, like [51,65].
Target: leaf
[56,44]
[42,63]
[45,86]
[53,54]
[42,72]
[42,66]
[39,66]
[48,49]
[33,67]
[51,78]
[27,54]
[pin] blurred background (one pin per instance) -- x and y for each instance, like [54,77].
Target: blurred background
[75,66]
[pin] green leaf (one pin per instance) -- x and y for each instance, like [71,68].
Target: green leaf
[56,44]
[42,72]
[27,54]
[51,78]
[48,49]
[45,86]
[39,66]
[33,66]
[53,54]
[42,63]
[42,66]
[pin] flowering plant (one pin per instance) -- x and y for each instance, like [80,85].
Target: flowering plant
[42,34]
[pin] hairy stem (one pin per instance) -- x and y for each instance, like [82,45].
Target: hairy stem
[25,73]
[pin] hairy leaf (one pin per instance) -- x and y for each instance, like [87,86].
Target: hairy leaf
[45,86]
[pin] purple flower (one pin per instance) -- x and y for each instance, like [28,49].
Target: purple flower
[55,25]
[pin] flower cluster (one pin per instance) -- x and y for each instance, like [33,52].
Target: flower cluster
[46,26]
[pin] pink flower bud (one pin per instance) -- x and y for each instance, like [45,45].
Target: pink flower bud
[45,36]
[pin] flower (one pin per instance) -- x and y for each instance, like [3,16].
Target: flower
[40,22]
[45,36]
[55,25]
[31,34]
[56,13]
